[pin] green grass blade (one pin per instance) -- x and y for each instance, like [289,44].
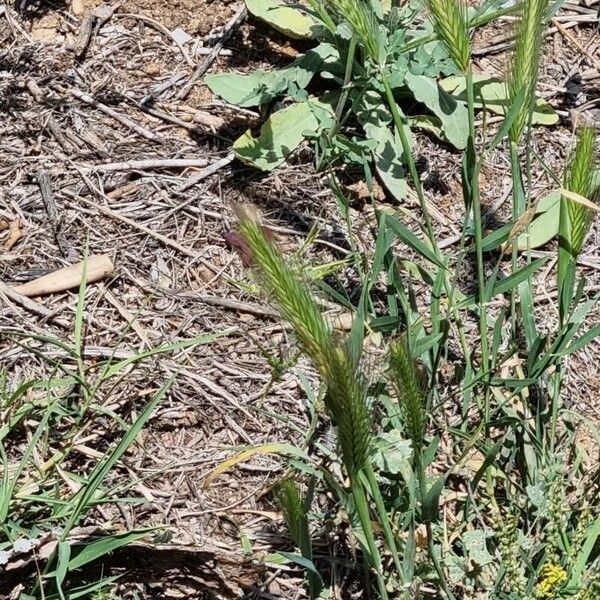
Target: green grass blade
[411,240]
[86,494]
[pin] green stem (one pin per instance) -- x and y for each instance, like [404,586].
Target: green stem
[517,208]
[341,103]
[400,123]
[362,508]
[430,543]
[305,544]
[384,520]
[475,201]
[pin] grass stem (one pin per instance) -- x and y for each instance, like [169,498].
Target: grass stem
[362,509]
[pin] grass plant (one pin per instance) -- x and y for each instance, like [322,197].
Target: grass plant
[42,421]
[514,422]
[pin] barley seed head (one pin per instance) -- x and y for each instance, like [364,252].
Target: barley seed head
[407,382]
[451,24]
[525,61]
[578,179]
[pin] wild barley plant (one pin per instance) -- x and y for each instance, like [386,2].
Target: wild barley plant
[295,516]
[345,397]
[407,381]
[359,14]
[522,83]
[579,179]
[289,293]
[292,508]
[451,24]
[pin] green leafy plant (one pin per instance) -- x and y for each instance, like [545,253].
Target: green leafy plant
[507,466]
[358,44]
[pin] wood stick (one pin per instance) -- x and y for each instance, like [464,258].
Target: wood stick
[96,267]
[24,301]
[115,115]
[206,172]
[151,163]
[45,185]
[229,28]
[141,227]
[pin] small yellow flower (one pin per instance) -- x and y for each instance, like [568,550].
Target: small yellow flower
[552,577]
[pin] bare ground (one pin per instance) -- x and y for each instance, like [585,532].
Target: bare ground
[176,277]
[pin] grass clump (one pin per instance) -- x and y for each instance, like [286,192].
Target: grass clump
[47,492]
[507,464]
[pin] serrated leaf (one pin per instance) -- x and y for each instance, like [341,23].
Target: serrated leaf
[495,95]
[283,17]
[451,112]
[280,135]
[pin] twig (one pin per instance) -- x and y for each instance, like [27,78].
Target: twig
[570,38]
[93,21]
[159,114]
[508,42]
[58,134]
[115,115]
[206,172]
[162,29]
[6,292]
[43,181]
[150,163]
[229,28]
[139,226]
[163,87]
[230,304]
